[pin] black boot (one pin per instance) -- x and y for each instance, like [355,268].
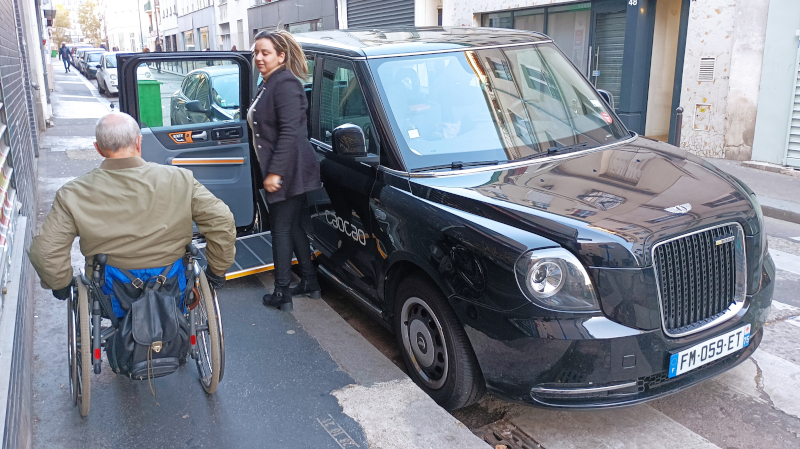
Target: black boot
[308,287]
[281,298]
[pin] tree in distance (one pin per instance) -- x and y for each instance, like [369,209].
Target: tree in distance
[89,20]
[61,26]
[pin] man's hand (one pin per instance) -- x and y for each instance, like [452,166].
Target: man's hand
[272,183]
[214,279]
[63,293]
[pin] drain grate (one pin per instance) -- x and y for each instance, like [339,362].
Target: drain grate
[505,435]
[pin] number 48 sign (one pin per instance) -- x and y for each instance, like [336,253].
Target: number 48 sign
[633,2]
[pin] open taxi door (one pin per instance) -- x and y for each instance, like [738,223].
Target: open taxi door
[192,110]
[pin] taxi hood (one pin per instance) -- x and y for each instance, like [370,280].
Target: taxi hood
[608,206]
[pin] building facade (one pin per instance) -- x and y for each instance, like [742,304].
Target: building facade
[233,24]
[777,124]
[197,25]
[297,16]
[653,56]
[126,25]
[20,43]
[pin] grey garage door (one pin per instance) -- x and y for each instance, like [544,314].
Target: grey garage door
[379,13]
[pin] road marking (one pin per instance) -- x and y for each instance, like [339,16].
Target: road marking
[337,433]
[796,239]
[782,306]
[794,321]
[785,261]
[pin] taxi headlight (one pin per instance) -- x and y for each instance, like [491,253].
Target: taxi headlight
[556,280]
[113,77]
[148,75]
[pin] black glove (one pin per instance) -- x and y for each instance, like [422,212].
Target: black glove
[63,293]
[215,280]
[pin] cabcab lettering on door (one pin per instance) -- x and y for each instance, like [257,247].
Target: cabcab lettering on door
[346,227]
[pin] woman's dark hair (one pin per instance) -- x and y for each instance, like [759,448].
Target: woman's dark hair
[283,42]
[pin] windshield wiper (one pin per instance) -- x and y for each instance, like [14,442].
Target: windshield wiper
[455,165]
[556,150]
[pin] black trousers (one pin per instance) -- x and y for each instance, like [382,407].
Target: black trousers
[288,221]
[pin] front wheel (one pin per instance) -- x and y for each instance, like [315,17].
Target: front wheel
[434,345]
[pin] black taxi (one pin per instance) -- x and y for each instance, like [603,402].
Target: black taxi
[483,201]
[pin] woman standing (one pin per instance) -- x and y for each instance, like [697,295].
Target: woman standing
[287,161]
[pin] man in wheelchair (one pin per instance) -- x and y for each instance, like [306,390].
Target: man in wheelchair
[138,215]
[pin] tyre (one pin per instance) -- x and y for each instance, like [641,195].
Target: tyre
[72,347]
[434,345]
[84,359]
[210,360]
[100,88]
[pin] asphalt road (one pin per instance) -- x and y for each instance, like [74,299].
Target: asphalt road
[278,380]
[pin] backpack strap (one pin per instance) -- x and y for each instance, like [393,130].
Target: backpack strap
[138,283]
[162,278]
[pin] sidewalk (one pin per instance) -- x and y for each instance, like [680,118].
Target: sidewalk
[778,193]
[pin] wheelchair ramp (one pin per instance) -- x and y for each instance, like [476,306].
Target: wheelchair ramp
[253,255]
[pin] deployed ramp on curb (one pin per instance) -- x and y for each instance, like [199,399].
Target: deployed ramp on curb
[253,255]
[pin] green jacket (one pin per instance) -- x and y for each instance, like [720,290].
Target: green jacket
[139,214]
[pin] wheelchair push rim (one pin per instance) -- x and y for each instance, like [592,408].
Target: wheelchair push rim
[72,347]
[209,347]
[83,354]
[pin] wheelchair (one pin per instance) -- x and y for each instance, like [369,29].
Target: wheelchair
[86,338]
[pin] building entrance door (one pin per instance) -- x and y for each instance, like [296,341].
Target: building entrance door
[662,69]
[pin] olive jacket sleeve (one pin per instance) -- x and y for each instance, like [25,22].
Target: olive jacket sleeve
[49,252]
[215,221]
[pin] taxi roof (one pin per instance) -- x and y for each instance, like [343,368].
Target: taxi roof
[396,41]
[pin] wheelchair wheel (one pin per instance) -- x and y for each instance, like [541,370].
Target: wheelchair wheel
[72,346]
[84,353]
[210,360]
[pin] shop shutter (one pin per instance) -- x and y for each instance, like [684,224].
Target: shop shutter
[609,43]
[379,13]
[793,142]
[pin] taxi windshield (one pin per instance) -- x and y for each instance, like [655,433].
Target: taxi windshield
[111,62]
[491,105]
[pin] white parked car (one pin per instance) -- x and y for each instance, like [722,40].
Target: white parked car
[107,73]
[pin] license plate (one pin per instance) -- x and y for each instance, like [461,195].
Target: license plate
[708,351]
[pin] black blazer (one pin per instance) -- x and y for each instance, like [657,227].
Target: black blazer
[281,136]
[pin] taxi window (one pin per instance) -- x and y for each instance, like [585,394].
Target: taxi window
[181,92]
[342,100]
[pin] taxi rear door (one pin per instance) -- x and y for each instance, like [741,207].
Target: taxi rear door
[192,110]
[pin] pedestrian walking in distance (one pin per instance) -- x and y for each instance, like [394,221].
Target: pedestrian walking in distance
[159,49]
[286,160]
[63,54]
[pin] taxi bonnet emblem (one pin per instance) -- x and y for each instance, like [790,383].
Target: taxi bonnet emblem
[679,209]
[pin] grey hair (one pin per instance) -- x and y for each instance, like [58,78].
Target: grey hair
[116,130]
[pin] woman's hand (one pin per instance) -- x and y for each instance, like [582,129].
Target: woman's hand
[272,183]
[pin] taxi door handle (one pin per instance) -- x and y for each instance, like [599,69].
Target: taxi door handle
[202,135]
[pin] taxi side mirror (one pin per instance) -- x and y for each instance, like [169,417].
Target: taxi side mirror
[609,99]
[349,140]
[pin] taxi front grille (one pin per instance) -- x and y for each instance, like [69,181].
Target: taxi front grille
[696,277]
